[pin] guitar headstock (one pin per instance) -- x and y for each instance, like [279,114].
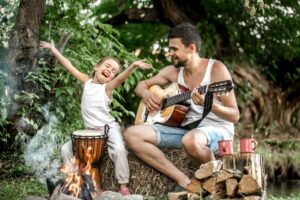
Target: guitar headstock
[221,88]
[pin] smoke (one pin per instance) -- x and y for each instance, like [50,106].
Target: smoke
[40,152]
[5,88]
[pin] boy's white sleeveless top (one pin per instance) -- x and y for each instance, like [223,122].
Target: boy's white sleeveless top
[95,106]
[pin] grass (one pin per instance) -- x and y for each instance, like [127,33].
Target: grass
[20,189]
[16,180]
[284,197]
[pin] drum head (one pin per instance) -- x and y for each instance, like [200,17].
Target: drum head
[89,133]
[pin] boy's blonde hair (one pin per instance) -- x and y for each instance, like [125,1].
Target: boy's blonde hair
[102,60]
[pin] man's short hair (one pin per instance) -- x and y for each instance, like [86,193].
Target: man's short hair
[188,34]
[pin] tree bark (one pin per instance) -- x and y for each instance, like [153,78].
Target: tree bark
[265,107]
[23,49]
[171,12]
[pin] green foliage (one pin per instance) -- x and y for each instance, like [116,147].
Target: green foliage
[8,10]
[262,127]
[269,37]
[90,40]
[108,8]
[134,35]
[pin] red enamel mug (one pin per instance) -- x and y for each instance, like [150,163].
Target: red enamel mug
[225,147]
[247,145]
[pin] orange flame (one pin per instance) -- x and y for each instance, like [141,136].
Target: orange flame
[74,172]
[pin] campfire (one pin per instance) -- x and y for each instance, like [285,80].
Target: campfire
[81,179]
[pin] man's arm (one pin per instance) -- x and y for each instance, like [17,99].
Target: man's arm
[65,62]
[152,101]
[229,110]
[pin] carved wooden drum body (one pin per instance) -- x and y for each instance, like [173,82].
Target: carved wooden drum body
[88,148]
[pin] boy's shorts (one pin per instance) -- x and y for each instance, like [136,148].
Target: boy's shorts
[170,137]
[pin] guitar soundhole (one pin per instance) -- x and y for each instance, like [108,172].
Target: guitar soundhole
[185,103]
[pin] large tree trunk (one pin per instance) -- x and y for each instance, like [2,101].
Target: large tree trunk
[23,50]
[265,107]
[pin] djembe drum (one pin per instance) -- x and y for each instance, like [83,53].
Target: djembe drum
[88,147]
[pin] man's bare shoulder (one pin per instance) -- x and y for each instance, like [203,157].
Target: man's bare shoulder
[218,65]
[169,72]
[220,71]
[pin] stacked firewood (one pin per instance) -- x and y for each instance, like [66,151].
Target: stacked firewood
[231,177]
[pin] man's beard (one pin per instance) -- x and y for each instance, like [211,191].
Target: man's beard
[180,63]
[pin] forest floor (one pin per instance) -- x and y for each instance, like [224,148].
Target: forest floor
[281,158]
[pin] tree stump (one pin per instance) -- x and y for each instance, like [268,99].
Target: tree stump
[247,163]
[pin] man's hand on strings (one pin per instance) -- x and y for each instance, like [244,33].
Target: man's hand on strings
[197,98]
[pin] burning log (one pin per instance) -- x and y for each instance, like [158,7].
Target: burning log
[79,182]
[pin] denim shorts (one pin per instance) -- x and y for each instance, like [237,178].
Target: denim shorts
[170,137]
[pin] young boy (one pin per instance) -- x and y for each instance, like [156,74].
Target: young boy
[95,107]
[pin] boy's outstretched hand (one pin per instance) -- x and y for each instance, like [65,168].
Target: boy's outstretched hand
[47,45]
[141,64]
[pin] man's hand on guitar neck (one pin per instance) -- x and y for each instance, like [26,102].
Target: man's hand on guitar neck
[197,98]
[151,100]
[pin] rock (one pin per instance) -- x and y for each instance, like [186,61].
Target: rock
[109,195]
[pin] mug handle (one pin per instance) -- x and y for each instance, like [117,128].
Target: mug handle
[254,144]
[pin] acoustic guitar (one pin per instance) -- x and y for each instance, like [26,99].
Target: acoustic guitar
[173,108]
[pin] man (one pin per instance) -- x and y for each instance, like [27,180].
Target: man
[190,71]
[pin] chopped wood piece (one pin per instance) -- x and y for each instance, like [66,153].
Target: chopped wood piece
[210,185]
[194,186]
[235,172]
[220,191]
[231,187]
[223,175]
[193,196]
[248,185]
[206,170]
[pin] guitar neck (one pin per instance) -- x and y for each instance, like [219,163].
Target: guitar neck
[181,97]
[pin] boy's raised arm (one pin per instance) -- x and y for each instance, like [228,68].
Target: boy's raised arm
[124,74]
[65,62]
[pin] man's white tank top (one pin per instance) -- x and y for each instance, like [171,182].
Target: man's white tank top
[195,111]
[95,106]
